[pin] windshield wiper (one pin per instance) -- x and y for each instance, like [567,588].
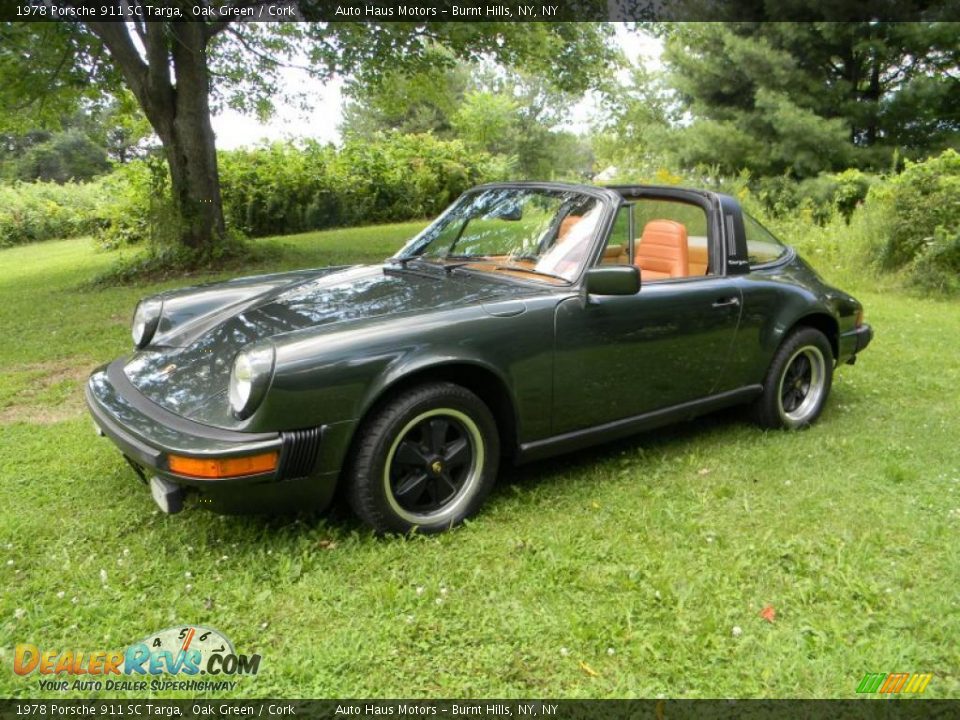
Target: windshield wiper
[449,267]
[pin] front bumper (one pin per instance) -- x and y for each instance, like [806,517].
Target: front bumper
[148,435]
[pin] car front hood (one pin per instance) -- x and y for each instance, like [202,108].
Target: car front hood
[189,373]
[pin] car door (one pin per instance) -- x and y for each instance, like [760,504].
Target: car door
[621,356]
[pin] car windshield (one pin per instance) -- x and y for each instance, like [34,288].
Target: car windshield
[517,231]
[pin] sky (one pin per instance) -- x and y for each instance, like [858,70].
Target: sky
[234,129]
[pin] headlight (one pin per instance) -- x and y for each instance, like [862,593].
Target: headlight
[249,379]
[145,321]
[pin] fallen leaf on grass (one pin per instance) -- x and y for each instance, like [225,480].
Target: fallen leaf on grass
[768,613]
[703,471]
[588,670]
[327,544]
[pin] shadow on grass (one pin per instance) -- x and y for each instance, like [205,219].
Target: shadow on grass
[337,523]
[668,439]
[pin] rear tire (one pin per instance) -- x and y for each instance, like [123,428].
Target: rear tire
[424,461]
[798,382]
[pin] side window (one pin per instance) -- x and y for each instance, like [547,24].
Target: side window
[670,240]
[617,250]
[762,246]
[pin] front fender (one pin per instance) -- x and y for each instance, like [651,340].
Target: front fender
[334,375]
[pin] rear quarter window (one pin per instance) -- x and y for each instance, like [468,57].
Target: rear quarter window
[762,246]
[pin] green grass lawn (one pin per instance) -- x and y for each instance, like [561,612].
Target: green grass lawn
[632,570]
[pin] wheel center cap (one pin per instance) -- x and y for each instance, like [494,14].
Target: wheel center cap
[437,467]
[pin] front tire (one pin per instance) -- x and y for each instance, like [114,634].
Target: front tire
[798,382]
[424,461]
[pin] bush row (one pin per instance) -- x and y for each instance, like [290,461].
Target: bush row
[907,223]
[851,224]
[284,189]
[41,211]
[271,190]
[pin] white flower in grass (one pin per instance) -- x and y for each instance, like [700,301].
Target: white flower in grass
[420,590]
[126,552]
[9,563]
[443,591]
[263,625]
[74,599]
[19,613]
[565,652]
[737,631]
[439,601]
[61,595]
[103,576]
[188,574]
[611,651]
[188,587]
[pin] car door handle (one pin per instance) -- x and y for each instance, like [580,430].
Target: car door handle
[726,302]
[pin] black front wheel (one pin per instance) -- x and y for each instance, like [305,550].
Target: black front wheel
[425,460]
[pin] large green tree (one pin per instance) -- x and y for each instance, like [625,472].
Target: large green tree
[801,98]
[179,70]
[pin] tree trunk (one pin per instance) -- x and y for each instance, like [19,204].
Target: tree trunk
[179,114]
[191,149]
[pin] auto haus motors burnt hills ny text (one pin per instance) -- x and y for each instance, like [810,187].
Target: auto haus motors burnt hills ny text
[418,11]
[484,709]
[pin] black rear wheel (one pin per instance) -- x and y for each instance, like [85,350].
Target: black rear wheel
[798,381]
[425,460]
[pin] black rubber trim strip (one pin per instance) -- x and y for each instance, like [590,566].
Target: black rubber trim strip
[628,426]
[121,383]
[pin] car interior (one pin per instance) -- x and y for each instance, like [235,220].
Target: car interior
[664,250]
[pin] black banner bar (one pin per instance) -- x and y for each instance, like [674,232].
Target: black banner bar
[481,10]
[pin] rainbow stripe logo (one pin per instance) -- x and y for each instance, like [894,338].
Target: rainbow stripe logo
[891,683]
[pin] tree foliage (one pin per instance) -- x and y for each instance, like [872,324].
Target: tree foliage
[493,108]
[179,70]
[801,98]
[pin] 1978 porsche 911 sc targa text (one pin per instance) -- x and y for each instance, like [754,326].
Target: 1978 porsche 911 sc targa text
[529,319]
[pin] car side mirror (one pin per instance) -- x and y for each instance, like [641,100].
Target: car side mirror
[613,280]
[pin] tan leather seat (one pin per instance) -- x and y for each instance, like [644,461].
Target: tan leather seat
[662,251]
[698,260]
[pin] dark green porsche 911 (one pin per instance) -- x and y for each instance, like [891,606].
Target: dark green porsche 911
[529,319]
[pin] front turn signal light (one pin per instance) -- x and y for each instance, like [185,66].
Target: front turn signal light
[214,468]
[858,321]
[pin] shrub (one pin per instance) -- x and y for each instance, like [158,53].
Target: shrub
[282,188]
[817,197]
[140,207]
[924,205]
[42,211]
